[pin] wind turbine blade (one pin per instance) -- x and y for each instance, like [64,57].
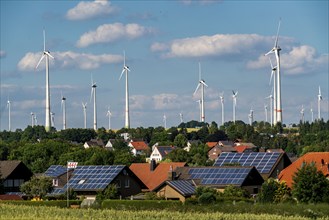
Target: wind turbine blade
[277,35]
[122,73]
[91,93]
[271,51]
[46,52]
[197,88]
[271,77]
[43,56]
[204,83]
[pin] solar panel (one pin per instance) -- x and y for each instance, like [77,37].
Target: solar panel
[55,171]
[263,161]
[93,177]
[186,187]
[220,175]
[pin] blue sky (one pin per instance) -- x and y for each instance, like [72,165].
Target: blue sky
[164,41]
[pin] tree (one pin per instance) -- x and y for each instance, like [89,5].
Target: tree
[38,186]
[178,155]
[111,192]
[180,140]
[273,191]
[232,191]
[310,185]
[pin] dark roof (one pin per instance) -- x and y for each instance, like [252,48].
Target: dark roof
[164,150]
[184,187]
[263,161]
[55,170]
[220,176]
[7,167]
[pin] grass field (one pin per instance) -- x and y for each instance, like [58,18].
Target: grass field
[9,211]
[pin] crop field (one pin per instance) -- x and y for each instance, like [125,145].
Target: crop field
[9,211]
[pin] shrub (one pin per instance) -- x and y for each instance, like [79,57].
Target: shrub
[207,198]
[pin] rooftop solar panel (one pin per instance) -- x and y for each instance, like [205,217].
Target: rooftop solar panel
[185,187]
[263,161]
[55,170]
[220,175]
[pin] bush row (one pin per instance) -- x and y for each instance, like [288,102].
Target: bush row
[57,203]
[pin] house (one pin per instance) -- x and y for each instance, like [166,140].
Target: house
[160,152]
[190,143]
[245,147]
[212,144]
[93,143]
[109,144]
[87,181]
[216,150]
[176,189]
[226,143]
[14,173]
[153,174]
[247,178]
[267,164]
[138,147]
[320,159]
[59,175]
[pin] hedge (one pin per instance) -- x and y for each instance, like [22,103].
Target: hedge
[58,203]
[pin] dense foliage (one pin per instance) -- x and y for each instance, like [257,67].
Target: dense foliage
[273,191]
[38,186]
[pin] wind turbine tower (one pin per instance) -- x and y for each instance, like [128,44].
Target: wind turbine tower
[266,113]
[47,55]
[63,105]
[270,97]
[9,114]
[203,84]
[274,89]
[277,97]
[84,106]
[234,96]
[302,114]
[221,96]
[93,95]
[35,119]
[109,114]
[165,121]
[319,104]
[181,117]
[199,101]
[32,119]
[52,114]
[125,70]
[251,117]
[312,114]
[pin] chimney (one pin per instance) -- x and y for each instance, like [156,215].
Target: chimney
[153,165]
[171,174]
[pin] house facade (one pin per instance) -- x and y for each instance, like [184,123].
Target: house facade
[138,147]
[160,152]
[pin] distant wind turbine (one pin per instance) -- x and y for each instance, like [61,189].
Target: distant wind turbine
[63,107]
[199,101]
[234,96]
[47,55]
[270,97]
[9,114]
[32,119]
[277,97]
[221,96]
[165,121]
[302,114]
[52,114]
[181,117]
[35,119]
[266,113]
[319,104]
[109,114]
[251,117]
[93,96]
[203,84]
[274,89]
[125,70]
[84,106]
[312,114]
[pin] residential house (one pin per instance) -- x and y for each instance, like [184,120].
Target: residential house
[216,150]
[241,147]
[138,147]
[226,143]
[160,152]
[267,164]
[247,178]
[320,160]
[109,144]
[93,143]
[153,174]
[87,181]
[14,173]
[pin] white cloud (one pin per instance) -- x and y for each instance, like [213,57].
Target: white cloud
[87,10]
[2,53]
[68,59]
[299,60]
[139,102]
[166,101]
[112,32]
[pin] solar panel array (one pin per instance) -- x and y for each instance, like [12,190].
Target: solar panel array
[220,175]
[55,170]
[263,161]
[186,187]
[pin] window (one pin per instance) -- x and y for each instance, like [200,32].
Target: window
[255,191]
[55,182]
[8,183]
[18,182]
[127,183]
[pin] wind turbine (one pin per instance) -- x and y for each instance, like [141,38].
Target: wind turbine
[181,117]
[221,96]
[271,98]
[125,70]
[199,101]
[9,114]
[47,55]
[109,114]
[203,84]
[251,117]
[312,115]
[319,104]
[165,121]
[32,119]
[234,96]
[84,106]
[35,119]
[266,113]
[273,75]
[93,96]
[52,114]
[302,114]
[63,107]
[276,50]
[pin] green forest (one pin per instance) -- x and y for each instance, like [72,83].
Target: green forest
[39,149]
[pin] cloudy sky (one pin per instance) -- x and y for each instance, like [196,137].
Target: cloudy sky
[164,42]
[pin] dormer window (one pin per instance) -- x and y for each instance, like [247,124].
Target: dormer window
[55,182]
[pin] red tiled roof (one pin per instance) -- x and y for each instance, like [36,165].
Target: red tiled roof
[241,149]
[321,160]
[139,145]
[211,144]
[153,179]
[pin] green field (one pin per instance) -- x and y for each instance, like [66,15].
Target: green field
[9,211]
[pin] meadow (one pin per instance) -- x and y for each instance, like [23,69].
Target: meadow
[10,211]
